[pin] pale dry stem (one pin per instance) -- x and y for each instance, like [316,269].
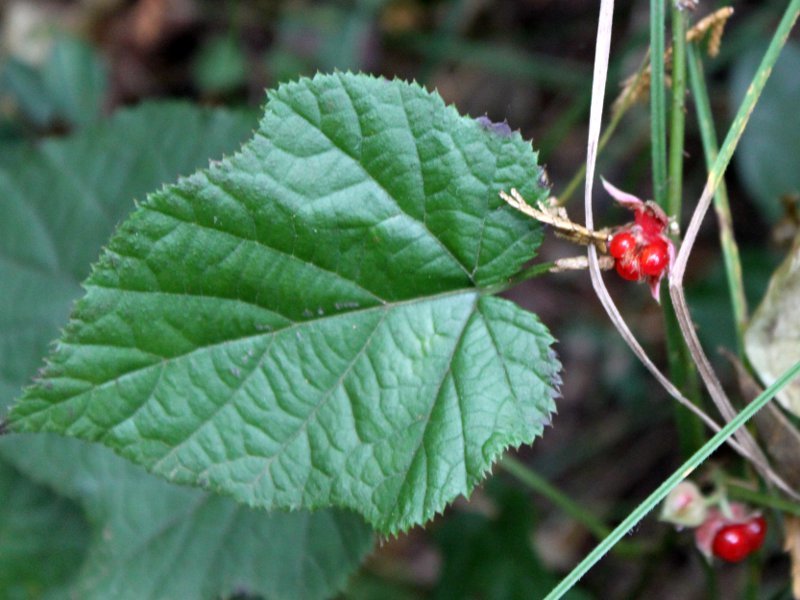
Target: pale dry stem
[556,216]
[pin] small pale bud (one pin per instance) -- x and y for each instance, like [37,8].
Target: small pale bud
[684,506]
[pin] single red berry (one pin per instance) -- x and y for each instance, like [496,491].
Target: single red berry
[621,244]
[732,543]
[654,258]
[628,268]
[756,531]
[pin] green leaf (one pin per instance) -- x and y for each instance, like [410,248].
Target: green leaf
[43,537]
[157,540]
[304,324]
[767,154]
[151,539]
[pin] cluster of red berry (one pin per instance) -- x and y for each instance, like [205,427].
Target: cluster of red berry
[727,530]
[633,261]
[642,251]
[733,537]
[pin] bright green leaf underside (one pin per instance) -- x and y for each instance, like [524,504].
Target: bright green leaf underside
[303,324]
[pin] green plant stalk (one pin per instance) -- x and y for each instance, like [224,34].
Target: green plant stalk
[677,114]
[531,272]
[682,369]
[544,488]
[757,498]
[666,487]
[730,250]
[683,373]
[658,116]
[565,122]
[577,179]
[712,583]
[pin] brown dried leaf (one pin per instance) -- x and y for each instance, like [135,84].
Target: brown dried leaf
[791,544]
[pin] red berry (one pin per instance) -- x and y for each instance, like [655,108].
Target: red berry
[654,258]
[621,244]
[732,543]
[628,268]
[756,531]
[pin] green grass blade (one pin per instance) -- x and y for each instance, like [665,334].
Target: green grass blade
[730,250]
[754,92]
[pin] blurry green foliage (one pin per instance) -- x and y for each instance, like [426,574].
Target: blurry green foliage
[68,88]
[767,158]
[43,538]
[221,66]
[492,557]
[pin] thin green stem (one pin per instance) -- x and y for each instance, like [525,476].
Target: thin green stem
[577,179]
[544,488]
[677,114]
[565,123]
[658,115]
[661,492]
[730,250]
[681,366]
[530,272]
[760,499]
[683,373]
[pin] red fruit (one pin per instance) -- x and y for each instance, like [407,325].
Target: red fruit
[621,244]
[756,531]
[732,542]
[628,268]
[654,258]
[652,220]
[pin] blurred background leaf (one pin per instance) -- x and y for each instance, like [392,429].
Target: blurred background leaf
[68,89]
[767,155]
[43,539]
